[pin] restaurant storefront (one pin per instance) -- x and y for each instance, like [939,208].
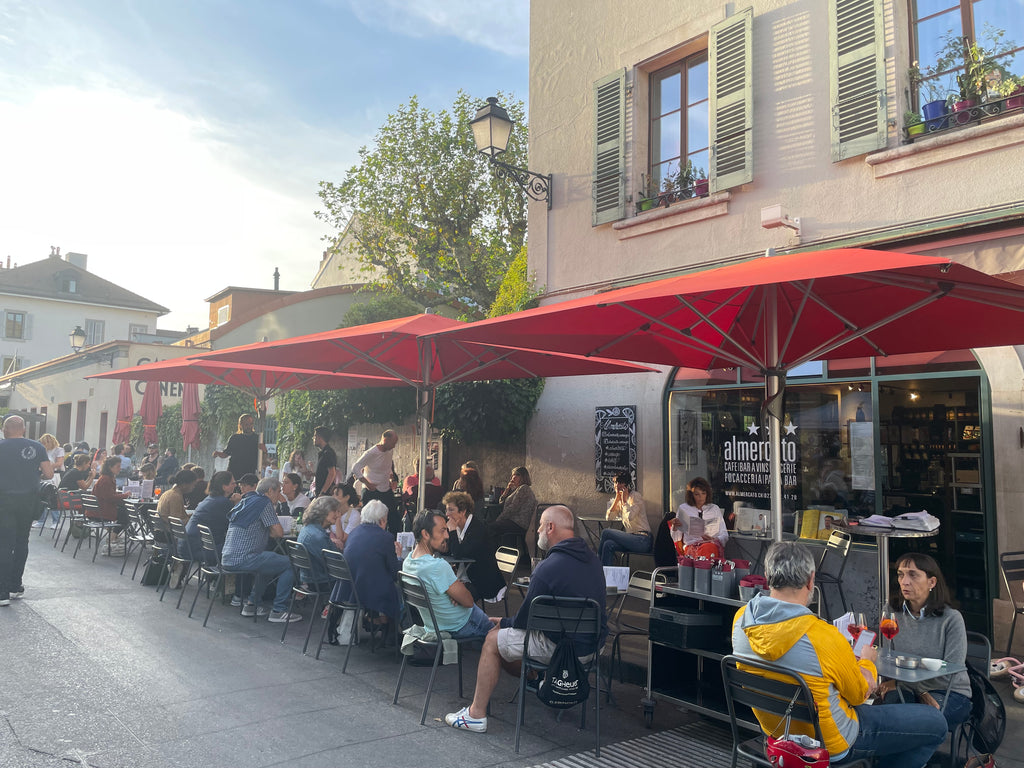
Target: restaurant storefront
[866,436]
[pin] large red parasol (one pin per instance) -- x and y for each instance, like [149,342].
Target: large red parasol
[150,411]
[775,313]
[125,411]
[190,416]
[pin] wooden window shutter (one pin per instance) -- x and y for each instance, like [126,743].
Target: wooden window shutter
[857,82]
[609,148]
[730,58]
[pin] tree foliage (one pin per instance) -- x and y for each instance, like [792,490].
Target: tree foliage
[517,291]
[428,217]
[220,411]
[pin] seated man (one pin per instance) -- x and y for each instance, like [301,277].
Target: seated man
[372,555]
[251,524]
[779,629]
[571,569]
[453,605]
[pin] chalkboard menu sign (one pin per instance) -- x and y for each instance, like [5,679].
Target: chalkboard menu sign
[614,445]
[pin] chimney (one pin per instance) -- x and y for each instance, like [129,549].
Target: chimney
[277,279]
[78,259]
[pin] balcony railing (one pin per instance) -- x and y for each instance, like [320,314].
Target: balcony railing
[991,109]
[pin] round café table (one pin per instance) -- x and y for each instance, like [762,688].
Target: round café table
[881,537]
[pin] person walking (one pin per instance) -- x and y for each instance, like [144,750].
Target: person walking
[23,463]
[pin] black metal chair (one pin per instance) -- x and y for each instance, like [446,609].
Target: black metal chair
[136,536]
[836,548]
[210,569]
[70,514]
[415,595]
[162,548]
[641,587]
[181,555]
[337,569]
[1011,565]
[300,561]
[94,526]
[579,616]
[785,693]
[979,656]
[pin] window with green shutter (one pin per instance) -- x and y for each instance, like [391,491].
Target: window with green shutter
[732,114]
[857,83]
[609,148]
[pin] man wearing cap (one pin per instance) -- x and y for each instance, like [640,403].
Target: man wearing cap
[23,463]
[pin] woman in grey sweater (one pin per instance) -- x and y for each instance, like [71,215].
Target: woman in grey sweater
[929,627]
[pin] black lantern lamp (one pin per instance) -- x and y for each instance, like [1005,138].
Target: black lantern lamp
[492,128]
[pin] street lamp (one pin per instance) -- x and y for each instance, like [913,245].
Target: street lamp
[492,128]
[77,338]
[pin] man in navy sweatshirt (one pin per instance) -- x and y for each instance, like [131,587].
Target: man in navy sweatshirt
[571,569]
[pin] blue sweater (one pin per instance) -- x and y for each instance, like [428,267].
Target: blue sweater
[316,539]
[212,512]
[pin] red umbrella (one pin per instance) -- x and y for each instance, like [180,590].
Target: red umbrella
[775,313]
[150,411]
[190,416]
[408,349]
[125,411]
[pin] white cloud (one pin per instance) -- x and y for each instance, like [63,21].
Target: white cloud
[501,27]
[155,199]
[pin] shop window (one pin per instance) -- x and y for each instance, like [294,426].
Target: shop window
[952,360]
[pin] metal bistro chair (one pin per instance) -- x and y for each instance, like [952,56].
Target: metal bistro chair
[507,558]
[837,547]
[337,569]
[94,525]
[786,694]
[1011,565]
[415,595]
[563,615]
[210,569]
[641,587]
[181,554]
[70,514]
[136,536]
[300,561]
[162,548]
[979,656]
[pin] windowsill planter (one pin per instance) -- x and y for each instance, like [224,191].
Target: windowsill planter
[677,214]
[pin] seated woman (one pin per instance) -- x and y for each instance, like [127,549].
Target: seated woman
[111,506]
[199,490]
[212,512]
[470,482]
[929,626]
[707,537]
[349,515]
[319,517]
[467,538]
[519,506]
[296,500]
[80,478]
[629,507]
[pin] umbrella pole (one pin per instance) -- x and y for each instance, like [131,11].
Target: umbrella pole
[422,402]
[774,384]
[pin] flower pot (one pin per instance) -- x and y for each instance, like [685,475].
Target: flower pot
[934,114]
[916,129]
[700,187]
[962,111]
[1016,100]
[647,204]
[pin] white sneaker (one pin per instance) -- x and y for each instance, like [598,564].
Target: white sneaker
[462,721]
[37,524]
[280,617]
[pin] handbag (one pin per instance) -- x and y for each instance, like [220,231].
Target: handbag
[798,751]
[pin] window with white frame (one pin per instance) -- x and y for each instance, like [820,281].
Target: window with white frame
[93,332]
[223,314]
[135,329]
[14,325]
[9,364]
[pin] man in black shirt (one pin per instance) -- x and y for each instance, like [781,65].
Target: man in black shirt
[326,461]
[22,464]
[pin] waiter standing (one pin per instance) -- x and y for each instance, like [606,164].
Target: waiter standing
[374,469]
[23,463]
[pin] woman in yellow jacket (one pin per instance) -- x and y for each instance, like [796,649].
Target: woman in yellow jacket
[779,629]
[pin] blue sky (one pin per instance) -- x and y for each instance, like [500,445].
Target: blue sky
[179,143]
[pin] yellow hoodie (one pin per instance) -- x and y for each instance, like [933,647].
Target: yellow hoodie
[791,636]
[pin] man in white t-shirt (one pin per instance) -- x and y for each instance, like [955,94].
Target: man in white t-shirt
[373,469]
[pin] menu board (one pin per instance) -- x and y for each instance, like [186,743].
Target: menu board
[614,445]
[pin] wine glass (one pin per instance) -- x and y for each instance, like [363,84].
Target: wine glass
[857,626]
[889,628]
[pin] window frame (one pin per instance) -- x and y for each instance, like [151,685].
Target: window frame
[5,361]
[680,66]
[23,323]
[91,326]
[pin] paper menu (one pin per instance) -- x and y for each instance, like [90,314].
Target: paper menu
[842,624]
[287,523]
[695,527]
[616,576]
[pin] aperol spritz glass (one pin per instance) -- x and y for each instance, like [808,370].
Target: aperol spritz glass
[889,628]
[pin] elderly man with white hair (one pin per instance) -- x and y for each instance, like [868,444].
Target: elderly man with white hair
[251,524]
[23,463]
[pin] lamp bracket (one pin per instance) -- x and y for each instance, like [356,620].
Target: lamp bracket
[536,185]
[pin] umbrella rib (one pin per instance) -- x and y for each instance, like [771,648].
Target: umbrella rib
[365,357]
[806,290]
[949,288]
[726,336]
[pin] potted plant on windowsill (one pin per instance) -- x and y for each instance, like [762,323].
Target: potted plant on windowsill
[1011,88]
[648,195]
[981,69]
[931,95]
[700,182]
[913,123]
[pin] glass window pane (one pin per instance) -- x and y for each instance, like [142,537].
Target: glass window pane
[931,35]
[931,7]
[697,80]
[697,127]
[666,94]
[660,172]
[667,146]
[993,15]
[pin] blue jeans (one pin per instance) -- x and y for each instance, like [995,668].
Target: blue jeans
[956,711]
[268,565]
[614,540]
[478,625]
[905,735]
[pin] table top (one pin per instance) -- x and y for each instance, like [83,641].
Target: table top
[886,533]
[523,582]
[887,668]
[596,519]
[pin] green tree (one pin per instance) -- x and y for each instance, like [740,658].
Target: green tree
[517,291]
[429,219]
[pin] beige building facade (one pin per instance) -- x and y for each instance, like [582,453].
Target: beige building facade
[779,124]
